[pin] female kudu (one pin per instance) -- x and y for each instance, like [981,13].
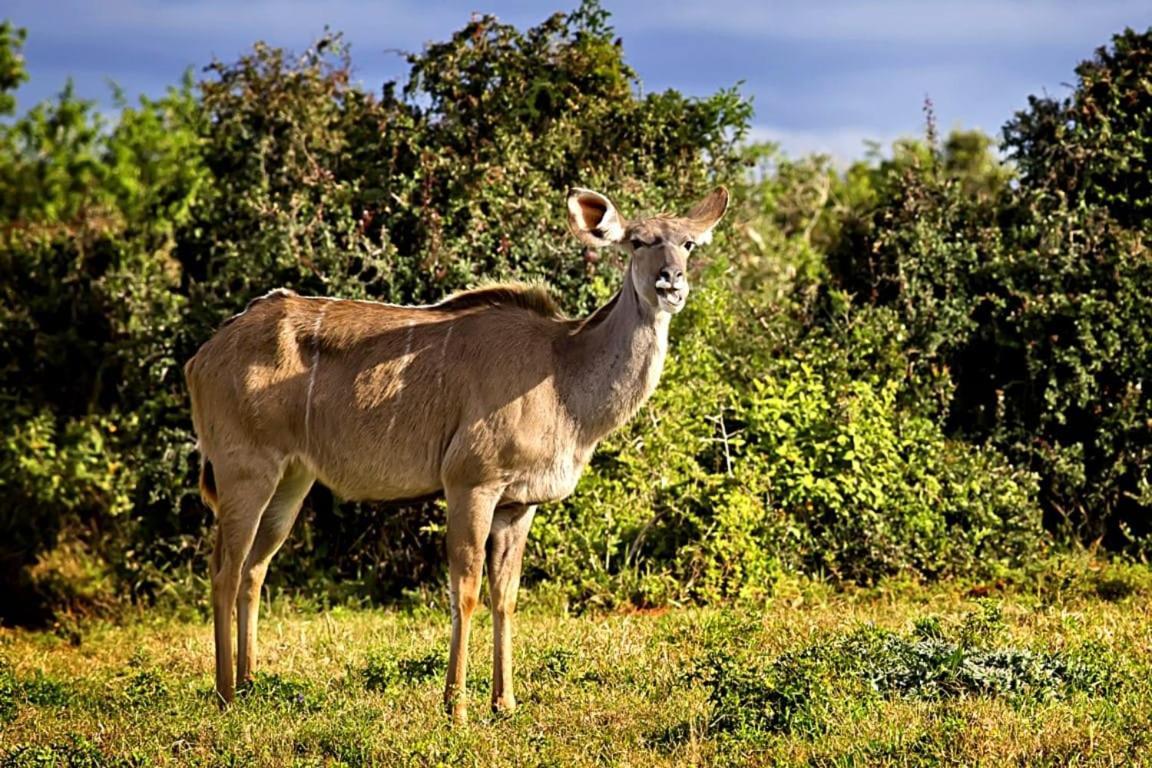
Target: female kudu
[489,397]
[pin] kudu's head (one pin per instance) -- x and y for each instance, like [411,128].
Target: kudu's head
[659,245]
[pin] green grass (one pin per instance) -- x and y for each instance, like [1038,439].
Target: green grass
[1054,669]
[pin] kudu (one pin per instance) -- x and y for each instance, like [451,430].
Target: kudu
[489,397]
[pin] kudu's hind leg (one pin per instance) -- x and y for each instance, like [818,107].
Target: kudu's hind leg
[469,521]
[243,495]
[505,555]
[275,525]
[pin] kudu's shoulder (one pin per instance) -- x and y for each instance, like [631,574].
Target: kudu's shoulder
[276,294]
[247,330]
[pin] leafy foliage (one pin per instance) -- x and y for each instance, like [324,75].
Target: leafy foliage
[1093,148]
[1025,307]
[887,370]
[760,457]
[12,71]
[282,693]
[751,697]
[87,309]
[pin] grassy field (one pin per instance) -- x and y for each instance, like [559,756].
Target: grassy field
[1050,669]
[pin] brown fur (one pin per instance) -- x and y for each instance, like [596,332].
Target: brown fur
[490,397]
[208,485]
[533,297]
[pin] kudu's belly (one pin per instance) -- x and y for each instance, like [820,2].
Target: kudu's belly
[375,456]
[404,475]
[373,439]
[375,477]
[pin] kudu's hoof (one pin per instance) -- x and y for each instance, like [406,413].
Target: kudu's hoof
[224,700]
[503,706]
[456,707]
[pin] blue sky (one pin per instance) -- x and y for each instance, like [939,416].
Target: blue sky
[824,75]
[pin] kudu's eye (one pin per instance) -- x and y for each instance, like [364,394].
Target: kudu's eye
[638,244]
[689,245]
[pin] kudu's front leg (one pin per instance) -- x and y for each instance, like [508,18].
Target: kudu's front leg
[469,522]
[505,555]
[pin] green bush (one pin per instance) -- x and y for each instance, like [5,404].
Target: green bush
[58,483]
[1024,308]
[1091,148]
[875,367]
[88,309]
[875,491]
[753,460]
[126,245]
[752,696]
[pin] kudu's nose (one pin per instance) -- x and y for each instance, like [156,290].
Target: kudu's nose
[671,275]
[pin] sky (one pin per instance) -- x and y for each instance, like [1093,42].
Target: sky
[823,75]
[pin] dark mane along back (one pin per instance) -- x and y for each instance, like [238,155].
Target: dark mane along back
[532,297]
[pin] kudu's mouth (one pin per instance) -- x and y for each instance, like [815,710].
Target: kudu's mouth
[671,295]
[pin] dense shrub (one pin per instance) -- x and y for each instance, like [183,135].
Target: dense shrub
[126,245]
[1025,307]
[752,696]
[88,312]
[1092,148]
[875,367]
[756,459]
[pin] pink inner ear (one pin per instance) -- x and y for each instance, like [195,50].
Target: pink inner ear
[592,210]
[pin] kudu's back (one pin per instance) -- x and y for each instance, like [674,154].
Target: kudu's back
[373,399]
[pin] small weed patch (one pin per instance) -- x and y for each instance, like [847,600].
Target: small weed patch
[422,668]
[554,663]
[44,691]
[381,669]
[748,700]
[75,752]
[145,689]
[378,672]
[285,693]
[38,691]
[935,668]
[794,692]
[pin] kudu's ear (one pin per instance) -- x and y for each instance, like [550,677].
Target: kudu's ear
[593,218]
[706,214]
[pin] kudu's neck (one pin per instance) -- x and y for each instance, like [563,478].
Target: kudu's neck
[610,366]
